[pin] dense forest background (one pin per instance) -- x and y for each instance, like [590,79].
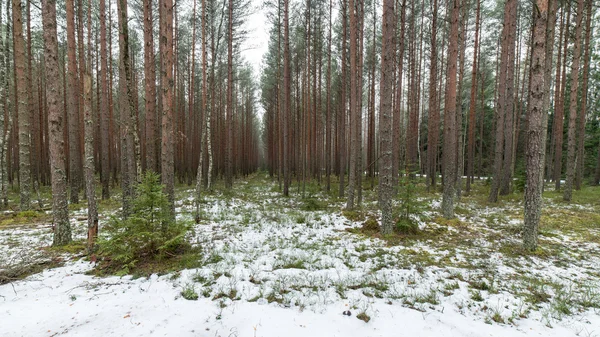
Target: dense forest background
[351,94]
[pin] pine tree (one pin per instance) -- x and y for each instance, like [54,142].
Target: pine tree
[573,109]
[22,107]
[167,141]
[104,107]
[60,207]
[88,131]
[150,88]
[450,150]
[385,124]
[533,190]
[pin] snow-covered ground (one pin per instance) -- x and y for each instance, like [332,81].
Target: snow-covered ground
[271,268]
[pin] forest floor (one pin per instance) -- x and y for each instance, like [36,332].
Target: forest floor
[277,266]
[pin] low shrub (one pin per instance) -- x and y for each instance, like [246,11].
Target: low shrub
[148,233]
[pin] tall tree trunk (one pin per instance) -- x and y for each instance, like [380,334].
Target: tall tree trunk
[79,23]
[580,169]
[34,118]
[412,135]
[130,152]
[547,78]
[73,105]
[509,102]
[5,123]
[192,103]
[571,136]
[560,107]
[535,149]
[6,168]
[450,149]
[328,122]
[230,107]
[355,97]
[359,84]
[433,128]
[460,152]
[371,105]
[388,57]
[278,127]
[352,110]
[60,207]
[472,104]
[342,107]
[549,45]
[503,100]
[150,88]
[397,114]
[22,107]
[89,142]
[104,107]
[287,98]
[124,120]
[199,178]
[167,141]
[209,109]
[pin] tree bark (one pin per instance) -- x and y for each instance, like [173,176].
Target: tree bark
[571,136]
[549,45]
[504,99]
[328,122]
[130,151]
[5,120]
[397,114]
[167,141]
[73,106]
[433,128]
[60,207]
[103,107]
[287,98]
[472,104]
[230,108]
[34,117]
[342,107]
[355,98]
[150,88]
[460,152]
[388,58]
[88,132]
[199,178]
[560,106]
[580,169]
[509,103]
[450,150]
[22,107]
[534,157]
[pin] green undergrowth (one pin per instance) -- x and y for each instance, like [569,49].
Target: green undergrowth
[587,195]
[146,267]
[149,239]
[405,236]
[583,225]
[74,248]
[354,215]
[109,205]
[23,218]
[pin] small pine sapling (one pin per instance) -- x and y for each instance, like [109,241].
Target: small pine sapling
[410,205]
[148,233]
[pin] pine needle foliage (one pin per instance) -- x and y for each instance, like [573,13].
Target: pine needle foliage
[410,205]
[148,233]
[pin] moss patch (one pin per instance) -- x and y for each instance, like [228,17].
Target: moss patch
[25,217]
